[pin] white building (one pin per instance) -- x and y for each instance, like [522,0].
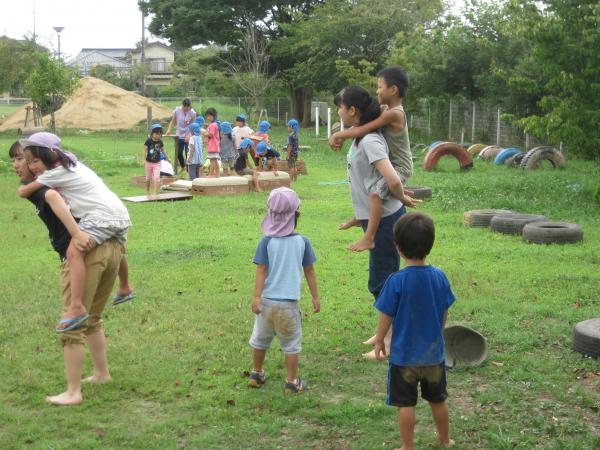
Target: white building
[118,58]
[159,58]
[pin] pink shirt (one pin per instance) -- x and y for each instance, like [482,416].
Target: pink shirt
[214,139]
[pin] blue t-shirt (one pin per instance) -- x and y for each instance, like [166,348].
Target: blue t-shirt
[417,297]
[285,258]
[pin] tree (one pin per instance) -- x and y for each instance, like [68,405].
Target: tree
[49,83]
[17,62]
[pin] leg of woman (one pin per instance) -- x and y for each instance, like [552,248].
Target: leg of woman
[180,158]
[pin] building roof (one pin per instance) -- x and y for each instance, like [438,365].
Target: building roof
[112,52]
[95,58]
[153,44]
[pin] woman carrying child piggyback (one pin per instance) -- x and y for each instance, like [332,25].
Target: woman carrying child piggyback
[368,162]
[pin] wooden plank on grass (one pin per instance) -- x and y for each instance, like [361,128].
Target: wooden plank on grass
[164,197]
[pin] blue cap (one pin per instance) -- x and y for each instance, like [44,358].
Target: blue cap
[195,128]
[241,118]
[200,120]
[262,147]
[294,125]
[264,126]
[226,128]
[246,143]
[156,126]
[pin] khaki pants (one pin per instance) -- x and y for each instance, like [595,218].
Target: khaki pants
[102,266]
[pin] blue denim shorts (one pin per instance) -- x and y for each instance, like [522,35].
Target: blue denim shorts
[281,319]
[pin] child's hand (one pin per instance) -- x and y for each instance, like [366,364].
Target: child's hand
[256,305]
[409,201]
[335,142]
[380,353]
[316,304]
[83,242]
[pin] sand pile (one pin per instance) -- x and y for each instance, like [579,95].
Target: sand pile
[97,105]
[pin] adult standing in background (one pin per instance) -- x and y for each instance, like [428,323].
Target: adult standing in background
[183,116]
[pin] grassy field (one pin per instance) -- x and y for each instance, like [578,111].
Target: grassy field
[179,353]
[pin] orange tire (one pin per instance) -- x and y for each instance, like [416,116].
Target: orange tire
[465,160]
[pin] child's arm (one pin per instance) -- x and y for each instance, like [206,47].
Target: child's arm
[259,284]
[386,118]
[445,319]
[250,163]
[385,168]
[191,154]
[26,190]
[383,325]
[311,279]
[145,153]
[80,239]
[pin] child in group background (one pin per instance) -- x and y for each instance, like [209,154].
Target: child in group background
[241,130]
[414,302]
[392,84]
[263,135]
[153,151]
[195,159]
[213,144]
[242,163]
[281,257]
[228,153]
[292,147]
[267,157]
[100,212]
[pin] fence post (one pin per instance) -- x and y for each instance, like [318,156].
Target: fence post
[526,141]
[428,119]
[473,125]
[450,123]
[328,123]
[317,121]
[498,128]
[239,105]
[149,117]
[278,109]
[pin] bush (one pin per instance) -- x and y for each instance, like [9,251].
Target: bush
[597,193]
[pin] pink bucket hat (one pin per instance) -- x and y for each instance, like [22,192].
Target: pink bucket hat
[280,221]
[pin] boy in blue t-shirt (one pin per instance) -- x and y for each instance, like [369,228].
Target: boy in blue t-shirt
[281,257]
[414,302]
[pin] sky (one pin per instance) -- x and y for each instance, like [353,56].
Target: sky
[87,23]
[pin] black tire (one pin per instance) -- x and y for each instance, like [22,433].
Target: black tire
[533,157]
[513,223]
[586,337]
[482,217]
[552,232]
[420,193]
[515,161]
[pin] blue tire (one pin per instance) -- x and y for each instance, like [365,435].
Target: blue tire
[505,154]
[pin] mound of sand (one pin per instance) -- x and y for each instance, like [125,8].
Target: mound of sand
[97,105]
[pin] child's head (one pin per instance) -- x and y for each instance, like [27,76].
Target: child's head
[240,120]
[156,132]
[264,126]
[246,144]
[261,148]
[283,213]
[42,152]
[293,126]
[226,128]
[356,106]
[210,114]
[414,234]
[186,104]
[19,162]
[194,129]
[392,82]
[200,120]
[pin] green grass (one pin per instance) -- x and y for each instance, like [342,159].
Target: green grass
[178,353]
[6,110]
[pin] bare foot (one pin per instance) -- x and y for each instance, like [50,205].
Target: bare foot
[351,223]
[276,173]
[363,244]
[447,444]
[97,379]
[65,399]
[370,341]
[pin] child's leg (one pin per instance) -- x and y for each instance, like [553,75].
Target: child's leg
[406,422]
[77,278]
[124,287]
[439,411]
[291,365]
[258,359]
[255,181]
[367,242]
[294,174]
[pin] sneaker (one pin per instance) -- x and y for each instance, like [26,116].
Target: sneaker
[257,379]
[295,388]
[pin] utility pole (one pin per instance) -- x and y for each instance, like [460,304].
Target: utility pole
[143,56]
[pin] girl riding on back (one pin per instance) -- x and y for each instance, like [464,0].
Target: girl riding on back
[98,210]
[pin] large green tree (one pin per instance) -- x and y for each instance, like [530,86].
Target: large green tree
[17,62]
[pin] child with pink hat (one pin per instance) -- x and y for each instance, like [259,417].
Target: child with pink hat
[281,257]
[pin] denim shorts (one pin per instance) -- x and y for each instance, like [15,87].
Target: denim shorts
[281,319]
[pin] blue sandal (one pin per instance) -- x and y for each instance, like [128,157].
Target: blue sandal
[118,299]
[75,323]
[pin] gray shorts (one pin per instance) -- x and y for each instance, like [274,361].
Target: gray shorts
[381,188]
[281,319]
[103,234]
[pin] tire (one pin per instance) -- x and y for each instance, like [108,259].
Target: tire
[586,337]
[420,193]
[513,223]
[505,154]
[533,157]
[465,160]
[476,148]
[515,161]
[482,217]
[433,144]
[552,232]
[489,153]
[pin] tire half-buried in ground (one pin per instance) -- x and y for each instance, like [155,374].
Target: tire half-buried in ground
[552,232]
[586,337]
[482,217]
[513,223]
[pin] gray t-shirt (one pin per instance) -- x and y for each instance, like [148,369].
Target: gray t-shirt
[399,146]
[364,176]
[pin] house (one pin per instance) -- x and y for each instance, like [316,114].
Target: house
[118,58]
[159,58]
